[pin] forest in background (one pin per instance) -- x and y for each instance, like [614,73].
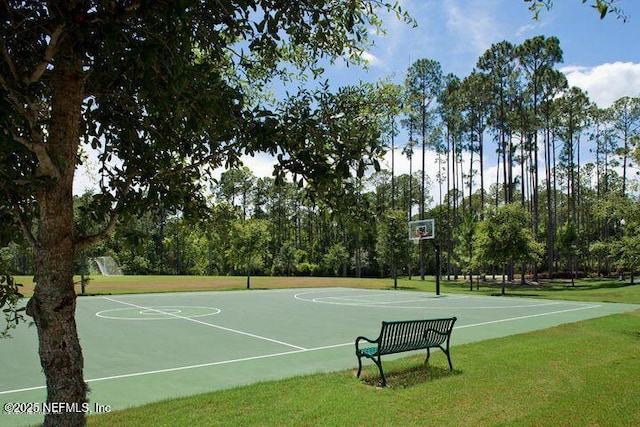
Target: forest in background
[562,202]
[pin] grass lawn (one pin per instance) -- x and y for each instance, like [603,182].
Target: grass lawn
[591,290]
[604,290]
[101,285]
[580,374]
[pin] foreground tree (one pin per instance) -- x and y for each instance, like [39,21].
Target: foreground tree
[537,56]
[10,303]
[156,89]
[567,246]
[626,251]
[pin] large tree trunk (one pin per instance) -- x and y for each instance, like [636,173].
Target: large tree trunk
[53,310]
[54,300]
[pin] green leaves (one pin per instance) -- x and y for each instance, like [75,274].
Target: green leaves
[172,91]
[249,242]
[505,236]
[423,83]
[325,138]
[393,245]
[604,7]
[10,297]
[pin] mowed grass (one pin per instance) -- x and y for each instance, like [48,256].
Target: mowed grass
[580,374]
[603,290]
[103,285]
[590,290]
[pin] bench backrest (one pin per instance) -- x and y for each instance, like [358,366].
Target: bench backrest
[405,335]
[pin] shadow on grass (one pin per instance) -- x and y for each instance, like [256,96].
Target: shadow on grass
[94,294]
[403,288]
[600,284]
[530,288]
[407,377]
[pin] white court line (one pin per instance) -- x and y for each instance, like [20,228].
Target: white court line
[183,368]
[267,356]
[528,316]
[213,312]
[391,304]
[350,301]
[235,331]
[355,301]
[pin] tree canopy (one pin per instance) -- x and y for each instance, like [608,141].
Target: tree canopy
[164,91]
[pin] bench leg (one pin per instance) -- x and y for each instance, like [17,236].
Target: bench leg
[378,362]
[445,352]
[383,380]
[448,358]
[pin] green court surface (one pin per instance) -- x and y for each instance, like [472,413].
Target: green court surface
[147,347]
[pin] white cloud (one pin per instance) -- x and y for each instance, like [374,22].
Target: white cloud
[530,28]
[607,82]
[402,166]
[472,25]
[371,59]
[86,177]
[261,164]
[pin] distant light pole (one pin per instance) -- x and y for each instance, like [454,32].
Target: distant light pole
[408,151]
[393,182]
[424,146]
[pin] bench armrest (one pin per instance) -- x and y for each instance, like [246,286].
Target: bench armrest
[364,339]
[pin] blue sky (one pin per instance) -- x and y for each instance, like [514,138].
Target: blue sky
[600,56]
[457,32]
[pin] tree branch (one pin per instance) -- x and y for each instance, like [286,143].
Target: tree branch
[48,56]
[205,161]
[7,57]
[14,99]
[86,241]
[46,166]
[24,226]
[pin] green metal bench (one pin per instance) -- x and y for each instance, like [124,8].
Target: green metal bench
[406,335]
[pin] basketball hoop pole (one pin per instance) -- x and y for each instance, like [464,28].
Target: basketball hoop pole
[425,229]
[436,248]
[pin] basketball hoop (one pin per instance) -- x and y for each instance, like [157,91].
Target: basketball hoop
[421,230]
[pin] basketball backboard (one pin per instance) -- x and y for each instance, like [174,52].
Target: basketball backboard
[422,229]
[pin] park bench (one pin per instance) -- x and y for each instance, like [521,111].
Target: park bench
[406,335]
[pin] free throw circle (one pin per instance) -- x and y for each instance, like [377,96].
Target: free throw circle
[158,313]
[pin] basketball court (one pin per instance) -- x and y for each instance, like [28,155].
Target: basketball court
[147,347]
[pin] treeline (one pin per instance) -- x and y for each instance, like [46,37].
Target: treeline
[562,200]
[275,229]
[273,226]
